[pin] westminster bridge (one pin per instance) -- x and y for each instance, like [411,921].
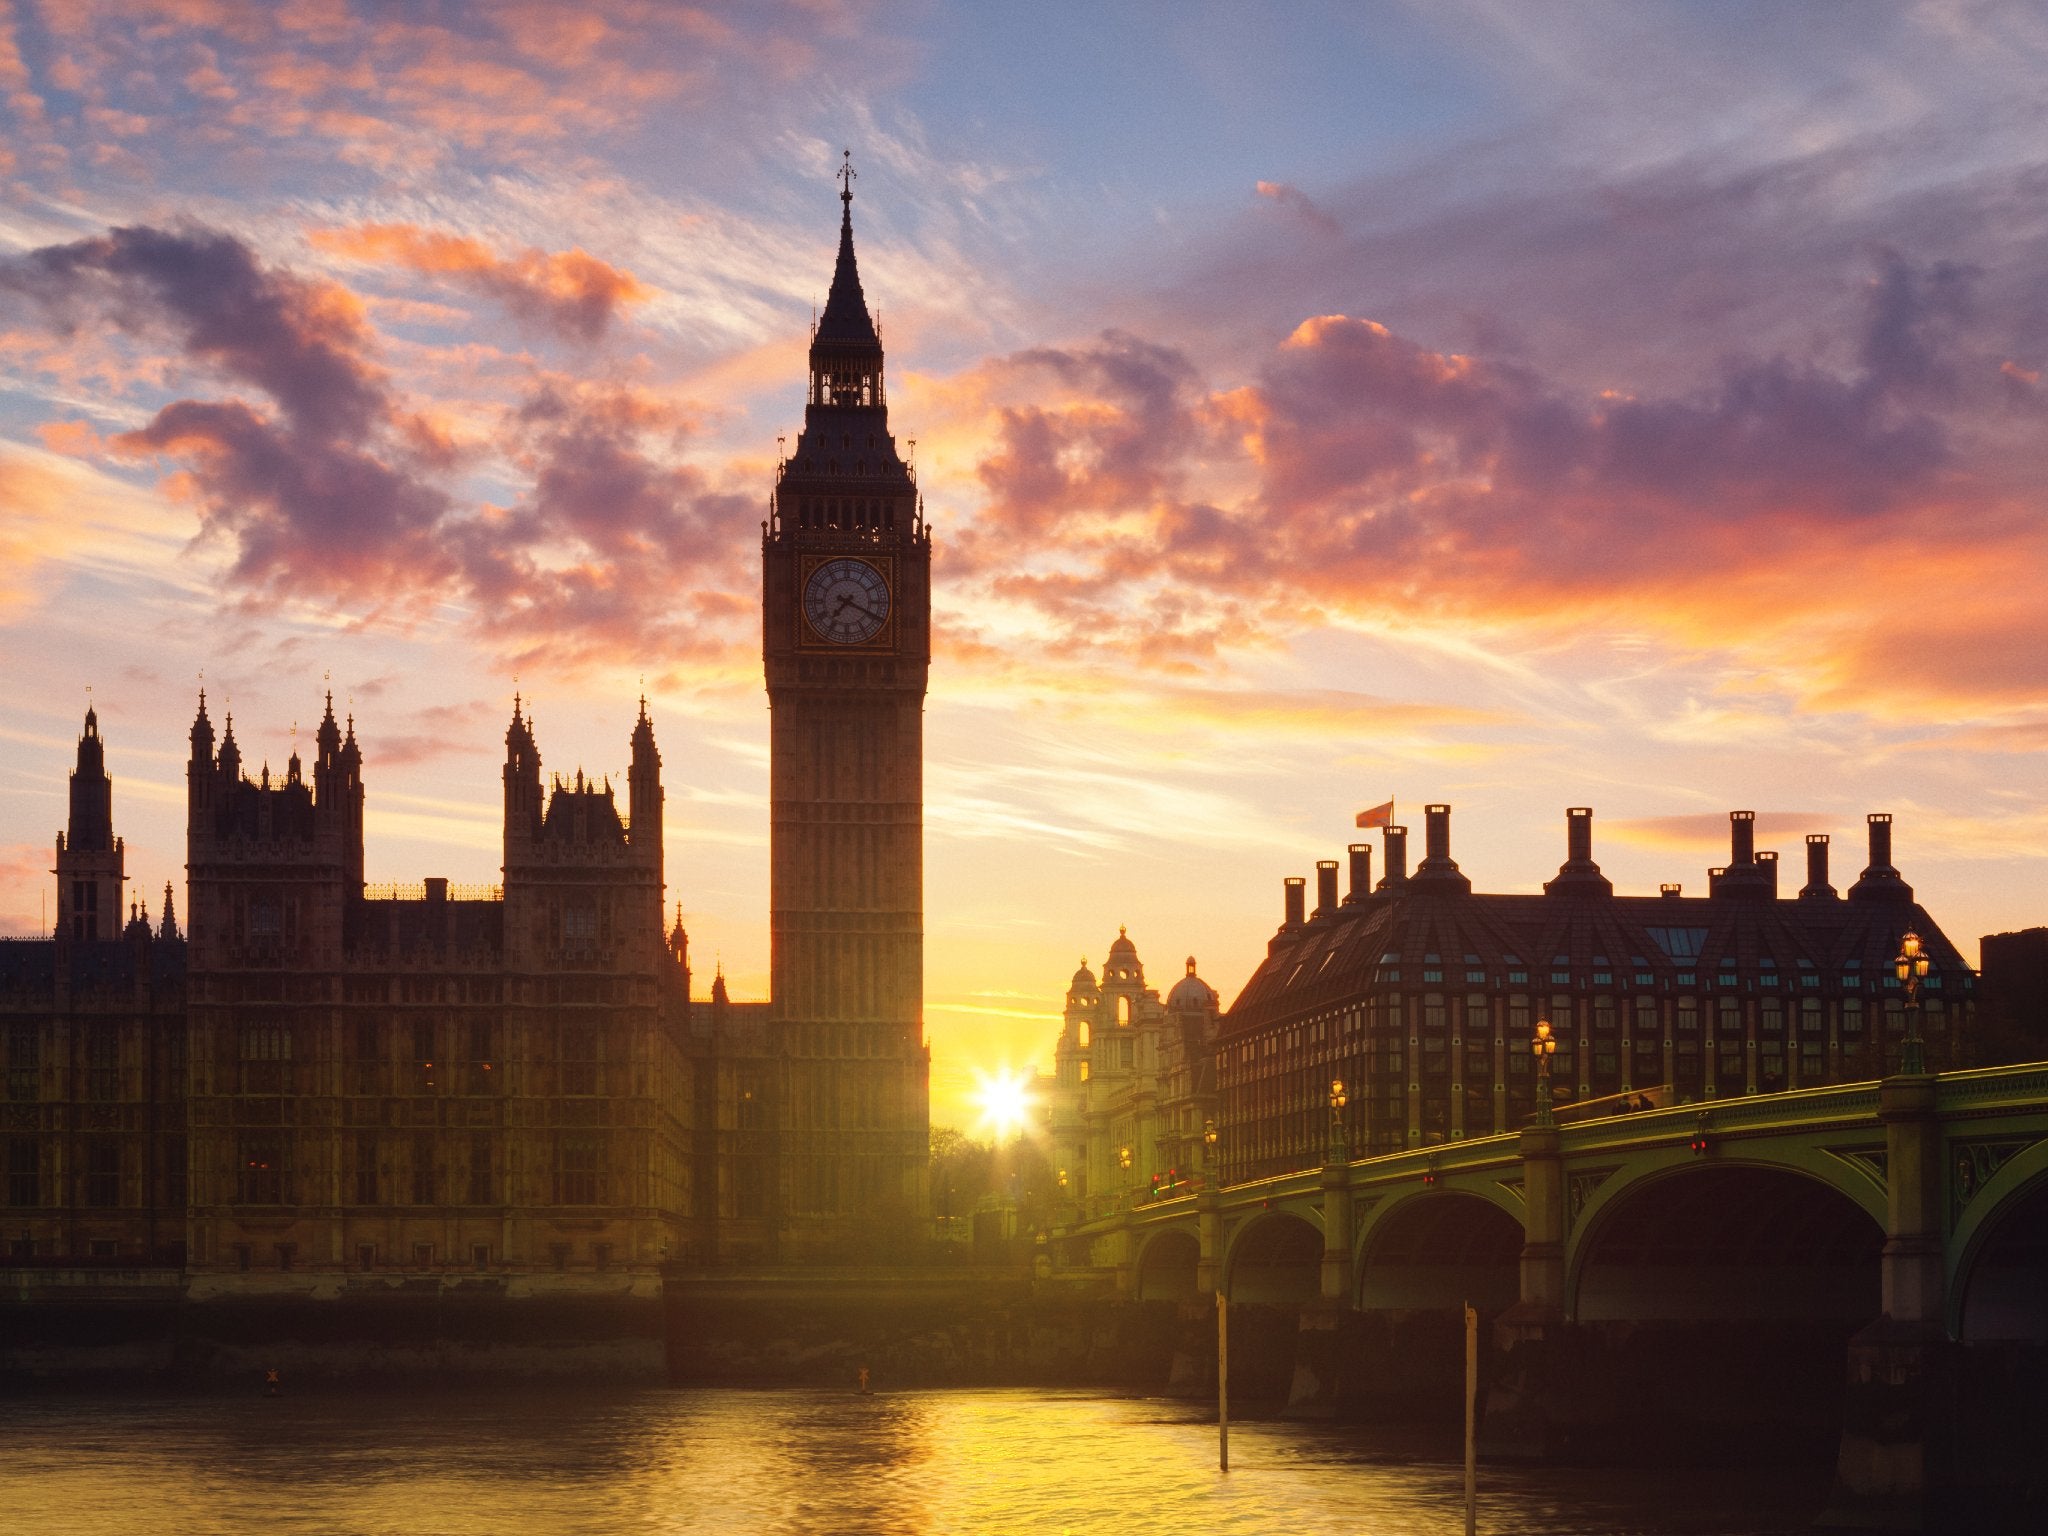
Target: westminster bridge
[1900,1227]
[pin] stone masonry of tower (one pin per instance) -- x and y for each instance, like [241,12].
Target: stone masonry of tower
[846,646]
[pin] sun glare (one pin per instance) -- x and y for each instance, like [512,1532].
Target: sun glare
[1004,1098]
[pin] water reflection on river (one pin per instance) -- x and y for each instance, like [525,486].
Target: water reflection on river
[540,1461]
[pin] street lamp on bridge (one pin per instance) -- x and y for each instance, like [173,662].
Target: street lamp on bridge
[1209,1153]
[1543,1047]
[1910,965]
[1339,1145]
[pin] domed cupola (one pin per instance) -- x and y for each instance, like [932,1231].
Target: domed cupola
[1083,984]
[1191,994]
[1123,964]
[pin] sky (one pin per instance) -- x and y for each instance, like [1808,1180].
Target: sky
[1631,405]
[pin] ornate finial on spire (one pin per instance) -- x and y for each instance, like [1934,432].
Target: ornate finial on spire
[846,175]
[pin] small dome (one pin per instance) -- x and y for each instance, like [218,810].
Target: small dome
[1122,949]
[1191,994]
[1083,983]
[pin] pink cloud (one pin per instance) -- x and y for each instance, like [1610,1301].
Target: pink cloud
[1766,511]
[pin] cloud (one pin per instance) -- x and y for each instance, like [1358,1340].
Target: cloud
[1362,476]
[570,293]
[330,487]
[1299,204]
[321,493]
[619,547]
[1710,831]
[433,731]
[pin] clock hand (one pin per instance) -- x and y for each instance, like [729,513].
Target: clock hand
[848,602]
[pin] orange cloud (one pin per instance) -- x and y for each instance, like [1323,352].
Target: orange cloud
[1710,830]
[571,292]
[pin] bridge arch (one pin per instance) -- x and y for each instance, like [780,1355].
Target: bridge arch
[1167,1265]
[1276,1259]
[1599,1195]
[1726,1239]
[1440,1249]
[1998,1277]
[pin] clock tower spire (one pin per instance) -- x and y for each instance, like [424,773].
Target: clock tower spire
[846,646]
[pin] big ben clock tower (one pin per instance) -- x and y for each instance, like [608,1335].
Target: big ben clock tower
[846,644]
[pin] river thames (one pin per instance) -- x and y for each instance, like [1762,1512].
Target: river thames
[447,1463]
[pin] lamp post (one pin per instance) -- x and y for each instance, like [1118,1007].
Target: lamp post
[1910,965]
[1123,1161]
[1209,1154]
[1543,1047]
[1339,1146]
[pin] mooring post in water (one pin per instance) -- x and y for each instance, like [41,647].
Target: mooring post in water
[1222,1382]
[1471,1398]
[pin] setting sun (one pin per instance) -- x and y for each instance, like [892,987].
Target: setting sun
[1005,1100]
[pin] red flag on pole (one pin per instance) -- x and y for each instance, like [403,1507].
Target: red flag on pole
[1378,816]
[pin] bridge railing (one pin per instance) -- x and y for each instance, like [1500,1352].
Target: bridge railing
[1975,1089]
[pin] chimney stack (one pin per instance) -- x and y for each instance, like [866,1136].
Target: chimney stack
[1297,896]
[1767,861]
[1326,887]
[1578,874]
[1817,887]
[1361,871]
[1741,838]
[1670,890]
[1438,867]
[1578,834]
[1396,857]
[1880,881]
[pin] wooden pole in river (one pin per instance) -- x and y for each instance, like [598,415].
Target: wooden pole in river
[1471,1399]
[1222,1381]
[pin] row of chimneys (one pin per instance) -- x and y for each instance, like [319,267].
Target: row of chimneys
[1747,873]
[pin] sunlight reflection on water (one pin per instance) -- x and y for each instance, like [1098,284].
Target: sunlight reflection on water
[548,1461]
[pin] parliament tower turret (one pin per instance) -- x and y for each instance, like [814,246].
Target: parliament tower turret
[846,643]
[90,859]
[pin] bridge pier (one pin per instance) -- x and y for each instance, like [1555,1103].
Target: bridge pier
[1898,1462]
[1523,1420]
[1327,1348]
[1336,1272]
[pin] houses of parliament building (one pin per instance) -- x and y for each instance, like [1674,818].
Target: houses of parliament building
[313,1087]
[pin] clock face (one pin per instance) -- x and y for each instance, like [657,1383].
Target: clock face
[846,601]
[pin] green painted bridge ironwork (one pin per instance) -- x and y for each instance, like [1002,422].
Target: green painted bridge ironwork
[1936,1164]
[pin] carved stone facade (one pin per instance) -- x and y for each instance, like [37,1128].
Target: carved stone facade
[92,1047]
[1134,1084]
[846,647]
[429,1082]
